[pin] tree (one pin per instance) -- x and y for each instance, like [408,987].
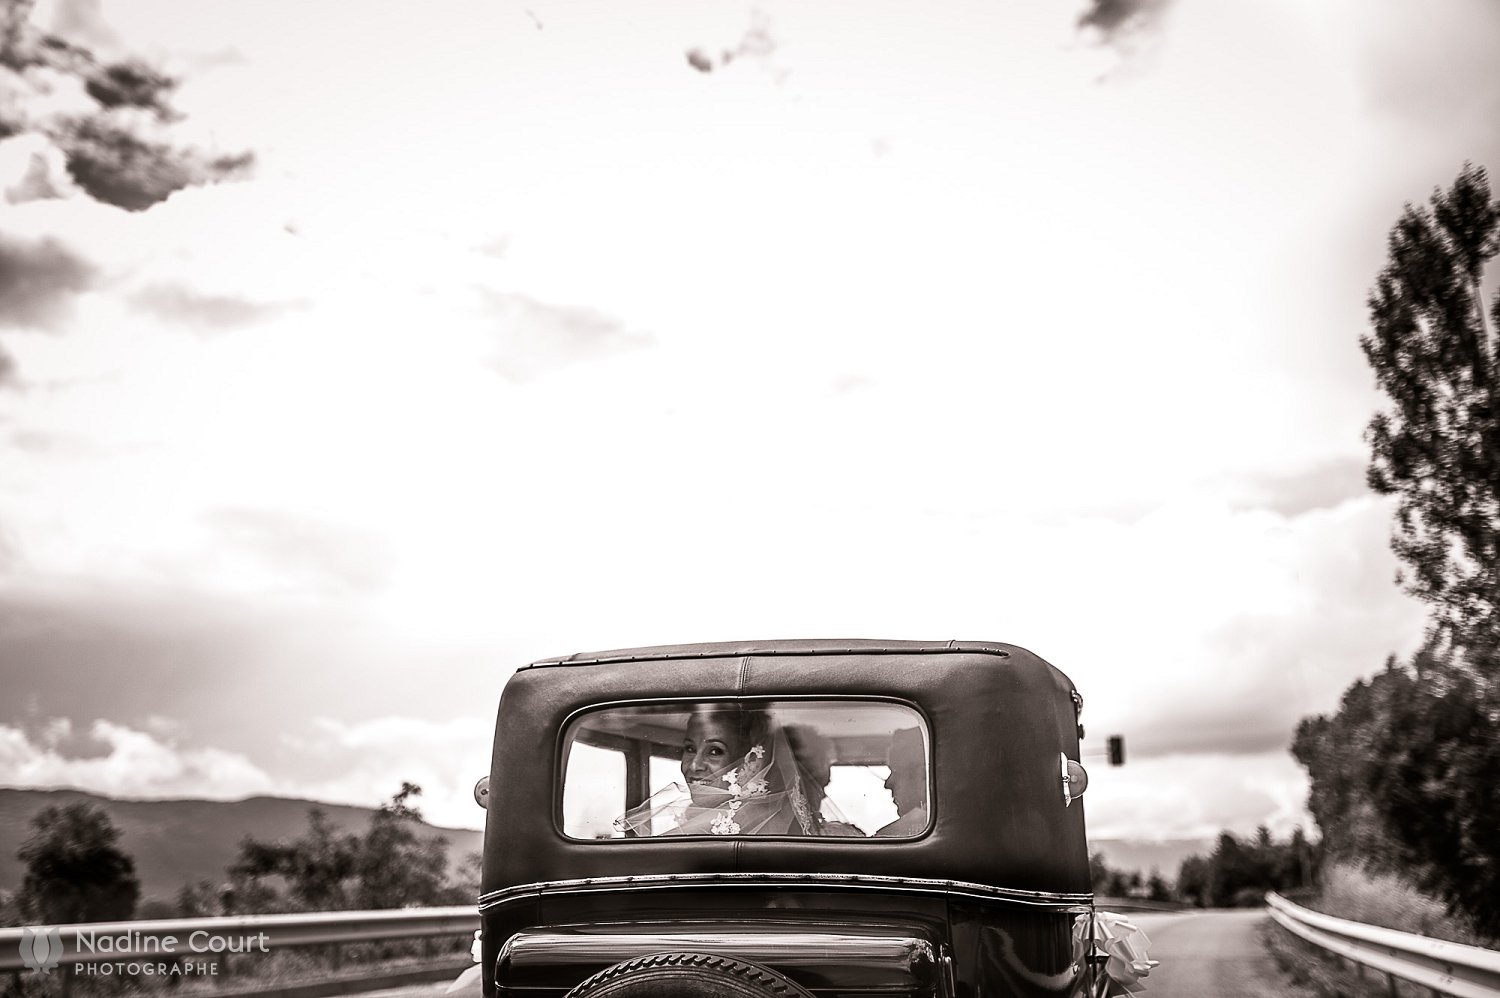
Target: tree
[118,151]
[320,864]
[199,900]
[1230,870]
[1299,861]
[1438,450]
[1404,777]
[399,867]
[249,892]
[1403,774]
[1338,752]
[1099,872]
[1435,780]
[1239,873]
[1192,881]
[75,869]
[1106,880]
[392,865]
[316,868]
[470,874]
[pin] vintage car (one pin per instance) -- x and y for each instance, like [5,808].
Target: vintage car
[788,818]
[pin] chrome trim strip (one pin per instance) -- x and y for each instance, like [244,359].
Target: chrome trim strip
[732,649]
[1076,903]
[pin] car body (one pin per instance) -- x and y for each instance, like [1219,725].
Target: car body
[987,893]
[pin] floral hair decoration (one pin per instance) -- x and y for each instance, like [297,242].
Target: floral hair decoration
[756,786]
[760,793]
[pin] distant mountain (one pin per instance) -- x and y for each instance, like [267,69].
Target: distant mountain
[1165,856]
[176,842]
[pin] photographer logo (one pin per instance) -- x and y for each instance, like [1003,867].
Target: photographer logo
[41,949]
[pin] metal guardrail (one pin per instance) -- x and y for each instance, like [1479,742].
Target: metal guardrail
[1448,968]
[211,938]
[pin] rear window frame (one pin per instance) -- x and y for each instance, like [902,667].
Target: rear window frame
[769,700]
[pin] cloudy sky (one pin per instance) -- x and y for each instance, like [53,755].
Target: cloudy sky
[553,325]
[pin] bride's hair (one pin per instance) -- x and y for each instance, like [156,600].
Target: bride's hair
[758,792]
[752,726]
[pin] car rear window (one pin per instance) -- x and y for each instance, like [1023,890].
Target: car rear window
[828,768]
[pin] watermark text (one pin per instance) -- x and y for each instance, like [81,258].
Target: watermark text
[145,944]
[138,968]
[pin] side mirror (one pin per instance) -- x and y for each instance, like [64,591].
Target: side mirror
[1075,779]
[482,792]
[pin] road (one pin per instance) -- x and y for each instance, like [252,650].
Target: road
[411,991]
[1216,953]
[1210,953]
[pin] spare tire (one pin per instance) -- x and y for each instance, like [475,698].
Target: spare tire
[687,975]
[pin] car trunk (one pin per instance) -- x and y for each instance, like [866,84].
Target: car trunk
[829,959]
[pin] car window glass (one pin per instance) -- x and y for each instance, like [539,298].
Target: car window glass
[827,768]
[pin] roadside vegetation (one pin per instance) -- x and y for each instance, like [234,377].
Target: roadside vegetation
[1403,774]
[392,865]
[1236,874]
[1387,900]
[76,872]
[1109,882]
[1384,899]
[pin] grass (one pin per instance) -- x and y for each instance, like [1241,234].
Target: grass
[1386,900]
[1313,972]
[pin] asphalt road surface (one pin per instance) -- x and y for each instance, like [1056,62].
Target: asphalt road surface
[1215,953]
[1202,953]
[410,991]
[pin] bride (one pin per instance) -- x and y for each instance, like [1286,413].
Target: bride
[741,778]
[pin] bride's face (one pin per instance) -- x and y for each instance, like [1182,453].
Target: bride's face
[710,745]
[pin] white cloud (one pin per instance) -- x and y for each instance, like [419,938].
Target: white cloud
[1099,331]
[32,167]
[1196,796]
[133,763]
[365,763]
[362,763]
